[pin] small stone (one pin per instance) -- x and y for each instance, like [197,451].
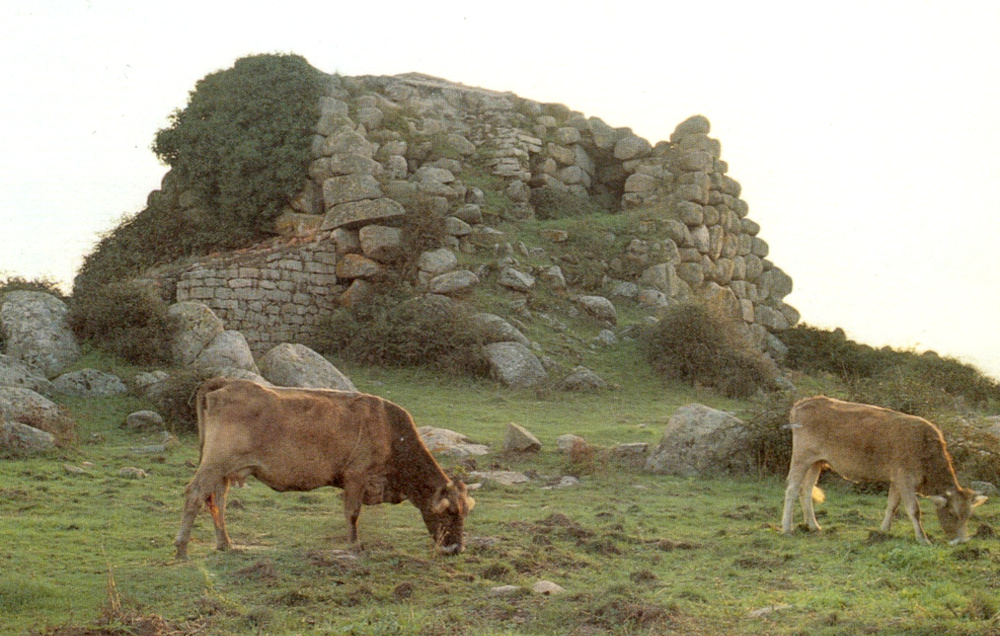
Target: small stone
[131,472]
[547,588]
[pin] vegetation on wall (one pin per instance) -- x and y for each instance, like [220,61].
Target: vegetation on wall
[696,342]
[243,141]
[238,152]
[906,381]
[127,319]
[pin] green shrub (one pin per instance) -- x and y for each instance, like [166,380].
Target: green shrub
[127,319]
[18,283]
[423,229]
[393,331]
[901,380]
[769,439]
[698,342]
[243,142]
[243,145]
[550,203]
[175,400]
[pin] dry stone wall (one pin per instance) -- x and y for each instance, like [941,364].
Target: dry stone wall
[271,295]
[382,141]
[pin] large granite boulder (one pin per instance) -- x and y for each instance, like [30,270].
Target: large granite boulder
[699,440]
[229,349]
[22,405]
[35,329]
[14,372]
[298,365]
[89,383]
[197,326]
[514,365]
[20,440]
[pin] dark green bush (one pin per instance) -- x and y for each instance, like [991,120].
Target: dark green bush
[127,319]
[423,229]
[769,440]
[393,331]
[18,283]
[550,203]
[902,380]
[243,145]
[243,142]
[698,342]
[175,400]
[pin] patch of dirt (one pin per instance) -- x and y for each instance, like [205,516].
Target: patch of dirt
[877,536]
[136,625]
[669,544]
[984,531]
[262,570]
[403,591]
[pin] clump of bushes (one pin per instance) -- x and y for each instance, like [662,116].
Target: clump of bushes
[700,343]
[242,145]
[19,283]
[175,399]
[768,437]
[396,331]
[127,319]
[244,139]
[905,381]
[551,203]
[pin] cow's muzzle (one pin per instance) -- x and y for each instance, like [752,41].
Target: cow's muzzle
[449,550]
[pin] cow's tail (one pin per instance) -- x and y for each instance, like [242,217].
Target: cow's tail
[201,406]
[818,495]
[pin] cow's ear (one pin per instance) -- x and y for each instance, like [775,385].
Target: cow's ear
[979,500]
[470,502]
[939,500]
[441,501]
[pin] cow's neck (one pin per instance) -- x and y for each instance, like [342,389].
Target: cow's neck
[939,474]
[414,473]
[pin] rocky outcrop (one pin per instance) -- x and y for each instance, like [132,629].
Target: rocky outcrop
[699,440]
[298,365]
[89,383]
[382,143]
[34,329]
[22,405]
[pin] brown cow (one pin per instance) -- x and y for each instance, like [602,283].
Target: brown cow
[870,443]
[301,439]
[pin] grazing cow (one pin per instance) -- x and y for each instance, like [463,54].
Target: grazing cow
[870,443]
[301,439]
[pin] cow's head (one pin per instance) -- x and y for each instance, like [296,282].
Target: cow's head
[445,516]
[954,509]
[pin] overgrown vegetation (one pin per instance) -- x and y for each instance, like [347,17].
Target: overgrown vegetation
[19,283]
[551,203]
[906,381]
[239,151]
[127,319]
[698,342]
[396,329]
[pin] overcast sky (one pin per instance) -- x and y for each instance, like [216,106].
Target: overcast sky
[864,134]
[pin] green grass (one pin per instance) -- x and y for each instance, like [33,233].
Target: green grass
[636,553]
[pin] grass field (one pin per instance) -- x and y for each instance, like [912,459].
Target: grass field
[92,553]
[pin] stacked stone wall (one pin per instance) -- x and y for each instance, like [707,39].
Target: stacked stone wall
[381,142]
[272,295]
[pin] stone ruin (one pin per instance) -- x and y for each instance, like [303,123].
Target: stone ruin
[380,141]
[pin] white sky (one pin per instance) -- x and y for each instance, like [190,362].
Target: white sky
[864,134]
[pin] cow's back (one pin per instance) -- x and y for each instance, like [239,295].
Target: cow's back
[293,439]
[859,441]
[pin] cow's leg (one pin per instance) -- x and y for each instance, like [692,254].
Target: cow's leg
[806,495]
[796,474]
[353,497]
[197,493]
[216,503]
[912,507]
[890,509]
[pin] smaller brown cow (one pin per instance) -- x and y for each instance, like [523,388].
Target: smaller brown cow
[870,443]
[301,439]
